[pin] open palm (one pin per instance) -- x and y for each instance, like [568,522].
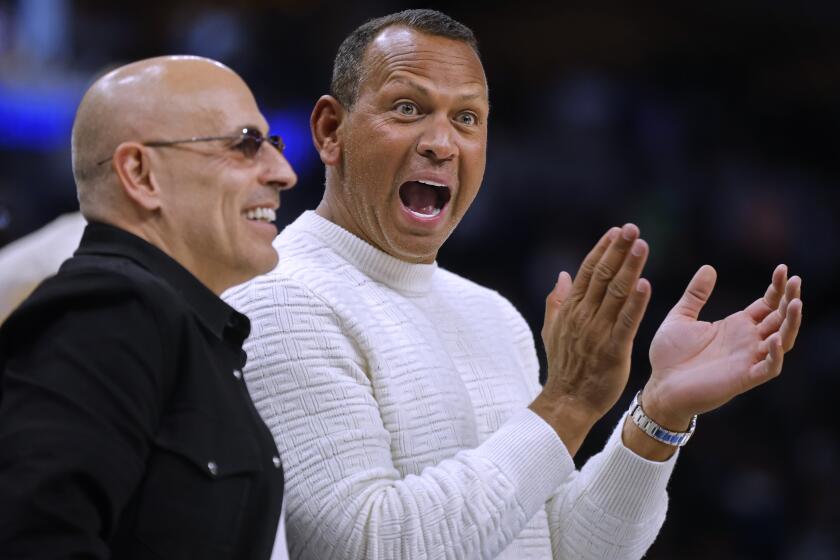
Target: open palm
[697,366]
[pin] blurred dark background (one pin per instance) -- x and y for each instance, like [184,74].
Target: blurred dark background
[713,126]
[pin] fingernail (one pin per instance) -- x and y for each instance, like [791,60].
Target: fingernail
[638,248]
[627,232]
[613,234]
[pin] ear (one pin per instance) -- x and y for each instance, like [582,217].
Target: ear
[132,166]
[324,123]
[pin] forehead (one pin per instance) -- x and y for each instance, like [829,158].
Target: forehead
[400,50]
[223,111]
[220,104]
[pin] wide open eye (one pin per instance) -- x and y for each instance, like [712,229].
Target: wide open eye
[468,118]
[406,109]
[249,143]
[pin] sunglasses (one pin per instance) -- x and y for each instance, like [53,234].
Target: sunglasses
[248,142]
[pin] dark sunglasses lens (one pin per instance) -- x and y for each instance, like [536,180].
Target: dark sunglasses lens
[277,142]
[250,143]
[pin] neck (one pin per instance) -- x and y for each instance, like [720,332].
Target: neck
[171,244]
[331,208]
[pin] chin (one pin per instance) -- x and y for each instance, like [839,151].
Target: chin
[416,252]
[263,264]
[269,264]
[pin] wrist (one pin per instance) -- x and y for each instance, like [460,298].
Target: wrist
[649,439]
[570,418]
[645,424]
[656,408]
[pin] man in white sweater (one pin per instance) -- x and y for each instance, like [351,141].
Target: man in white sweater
[405,399]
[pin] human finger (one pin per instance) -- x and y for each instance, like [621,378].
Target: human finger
[772,322]
[620,288]
[768,303]
[557,296]
[696,293]
[587,267]
[630,316]
[791,324]
[770,366]
[609,265]
[793,289]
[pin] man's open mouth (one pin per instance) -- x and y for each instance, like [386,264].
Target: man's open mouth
[424,199]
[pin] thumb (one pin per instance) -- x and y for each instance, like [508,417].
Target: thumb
[696,294]
[557,296]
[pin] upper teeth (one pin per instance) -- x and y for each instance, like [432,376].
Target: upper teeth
[432,183]
[267,214]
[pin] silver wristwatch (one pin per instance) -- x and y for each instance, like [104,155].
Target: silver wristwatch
[654,430]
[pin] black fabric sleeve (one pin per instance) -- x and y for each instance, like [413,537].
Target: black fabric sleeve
[82,391]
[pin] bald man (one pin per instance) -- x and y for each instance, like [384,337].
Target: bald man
[125,427]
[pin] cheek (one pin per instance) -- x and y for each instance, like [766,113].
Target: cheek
[473,162]
[369,172]
[222,210]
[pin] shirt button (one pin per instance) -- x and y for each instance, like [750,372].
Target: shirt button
[237,373]
[276,461]
[213,468]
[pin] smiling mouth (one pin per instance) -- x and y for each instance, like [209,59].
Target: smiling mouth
[424,199]
[261,215]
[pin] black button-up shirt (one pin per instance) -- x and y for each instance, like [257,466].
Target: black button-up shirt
[126,429]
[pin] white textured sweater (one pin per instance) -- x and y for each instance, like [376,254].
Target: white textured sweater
[397,394]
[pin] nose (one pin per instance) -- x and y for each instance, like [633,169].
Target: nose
[437,140]
[277,172]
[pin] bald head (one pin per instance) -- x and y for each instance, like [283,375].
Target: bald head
[153,99]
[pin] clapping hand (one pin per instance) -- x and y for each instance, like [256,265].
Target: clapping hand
[698,366]
[590,323]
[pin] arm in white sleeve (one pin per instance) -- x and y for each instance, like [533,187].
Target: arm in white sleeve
[26,262]
[613,508]
[615,505]
[345,497]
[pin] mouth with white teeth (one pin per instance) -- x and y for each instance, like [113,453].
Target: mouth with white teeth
[267,215]
[424,199]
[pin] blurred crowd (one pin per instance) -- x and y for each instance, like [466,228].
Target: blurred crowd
[712,126]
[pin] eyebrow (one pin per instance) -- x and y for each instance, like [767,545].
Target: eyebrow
[425,91]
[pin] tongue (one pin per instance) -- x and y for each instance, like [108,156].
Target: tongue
[418,197]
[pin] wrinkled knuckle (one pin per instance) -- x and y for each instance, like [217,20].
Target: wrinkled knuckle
[586,269]
[696,294]
[626,319]
[618,289]
[604,272]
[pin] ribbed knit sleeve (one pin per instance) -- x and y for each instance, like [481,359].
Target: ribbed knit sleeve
[345,498]
[614,507]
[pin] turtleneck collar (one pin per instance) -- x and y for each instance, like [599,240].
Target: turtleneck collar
[379,266]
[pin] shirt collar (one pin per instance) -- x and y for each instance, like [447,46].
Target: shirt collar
[220,318]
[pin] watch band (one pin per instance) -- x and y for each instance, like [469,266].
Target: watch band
[654,430]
